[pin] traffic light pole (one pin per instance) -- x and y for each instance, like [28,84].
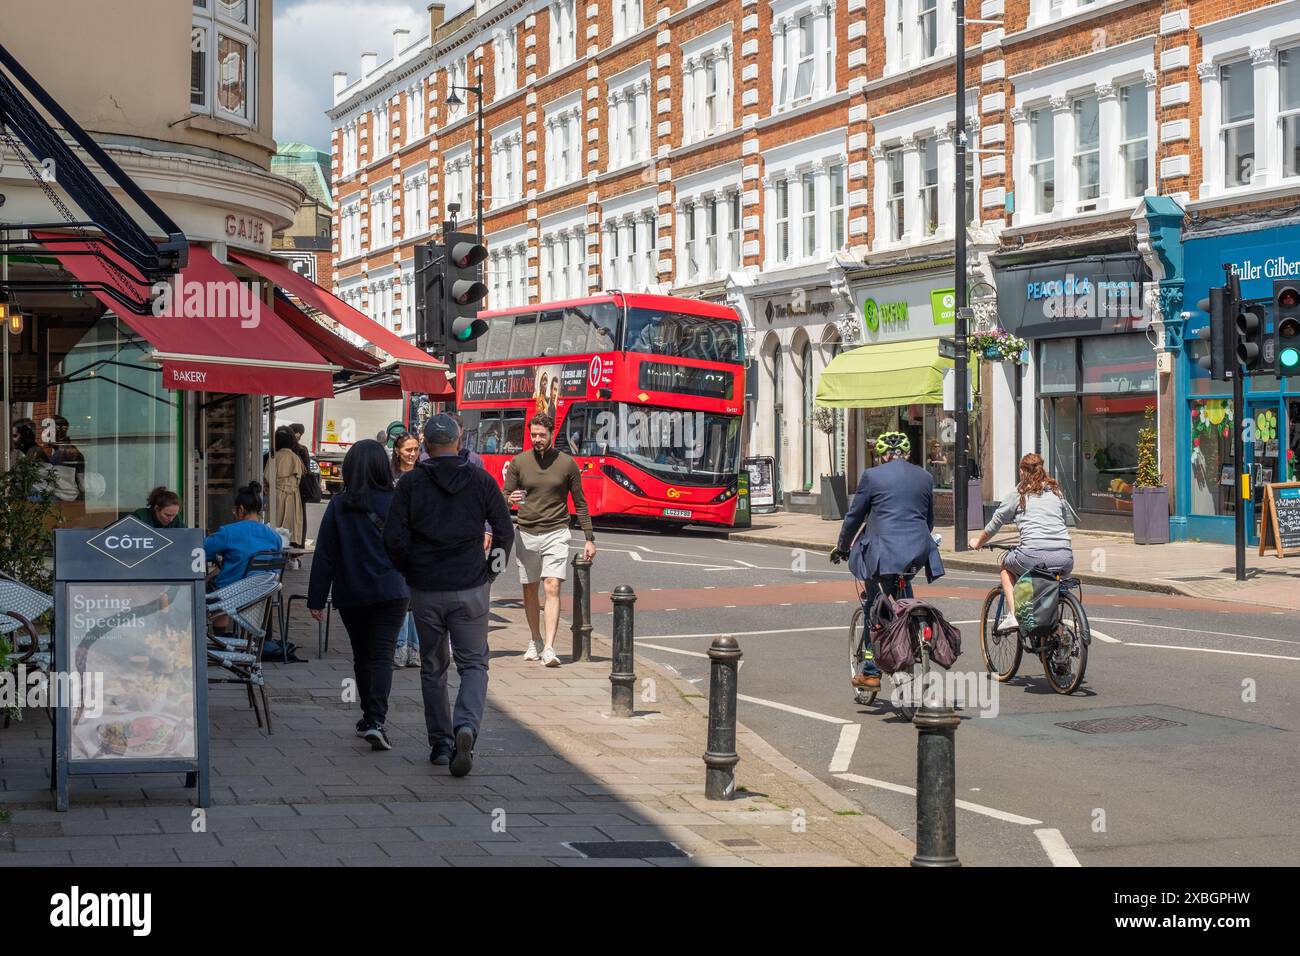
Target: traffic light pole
[961,482]
[1241,487]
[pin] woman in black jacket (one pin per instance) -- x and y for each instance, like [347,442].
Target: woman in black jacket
[370,594]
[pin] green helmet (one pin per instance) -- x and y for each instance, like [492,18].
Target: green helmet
[893,441]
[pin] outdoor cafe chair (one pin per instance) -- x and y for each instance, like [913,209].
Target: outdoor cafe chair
[20,607]
[273,562]
[239,654]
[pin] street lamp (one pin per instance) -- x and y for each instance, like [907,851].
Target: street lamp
[454,100]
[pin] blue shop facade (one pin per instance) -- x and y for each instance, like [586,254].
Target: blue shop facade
[1204,499]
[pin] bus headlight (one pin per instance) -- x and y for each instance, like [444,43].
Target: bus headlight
[622,480]
[726,494]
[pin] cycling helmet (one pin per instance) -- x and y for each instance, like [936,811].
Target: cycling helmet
[893,441]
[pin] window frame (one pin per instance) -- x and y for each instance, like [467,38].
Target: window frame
[896,192]
[1036,164]
[1126,145]
[1288,58]
[1080,152]
[211,24]
[928,192]
[1226,128]
[781,220]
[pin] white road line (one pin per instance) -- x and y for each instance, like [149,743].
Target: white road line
[964,804]
[844,749]
[1057,850]
[777,705]
[671,650]
[1103,637]
[1211,650]
[1192,630]
[779,630]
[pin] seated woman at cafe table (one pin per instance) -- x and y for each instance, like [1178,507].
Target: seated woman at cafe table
[236,543]
[162,509]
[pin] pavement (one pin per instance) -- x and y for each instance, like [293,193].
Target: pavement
[1106,559]
[553,771]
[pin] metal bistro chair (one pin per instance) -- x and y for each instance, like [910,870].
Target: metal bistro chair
[272,562]
[20,606]
[240,654]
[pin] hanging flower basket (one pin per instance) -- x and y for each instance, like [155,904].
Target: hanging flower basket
[1000,346]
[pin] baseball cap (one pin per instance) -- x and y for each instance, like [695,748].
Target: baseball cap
[441,430]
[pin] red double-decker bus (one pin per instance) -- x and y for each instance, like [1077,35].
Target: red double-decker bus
[647,393]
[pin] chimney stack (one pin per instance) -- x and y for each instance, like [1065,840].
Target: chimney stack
[401,39]
[340,83]
[368,63]
[437,15]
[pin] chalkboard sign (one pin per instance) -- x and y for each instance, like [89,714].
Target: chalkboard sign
[1279,519]
[130,629]
[762,483]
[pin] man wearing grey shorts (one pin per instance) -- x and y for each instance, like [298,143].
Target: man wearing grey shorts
[540,481]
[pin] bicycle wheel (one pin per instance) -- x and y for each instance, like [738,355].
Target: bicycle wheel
[908,693]
[857,654]
[1001,652]
[1065,654]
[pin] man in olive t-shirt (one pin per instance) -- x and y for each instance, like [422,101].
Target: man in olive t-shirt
[539,482]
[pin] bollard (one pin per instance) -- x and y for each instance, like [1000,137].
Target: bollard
[936,786]
[622,678]
[581,608]
[721,757]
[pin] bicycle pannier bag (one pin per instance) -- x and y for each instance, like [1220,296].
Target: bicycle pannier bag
[1038,596]
[892,645]
[945,643]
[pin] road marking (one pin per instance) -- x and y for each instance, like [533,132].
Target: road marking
[671,650]
[1192,630]
[844,749]
[1057,850]
[1212,650]
[1104,637]
[777,705]
[681,564]
[779,630]
[745,563]
[964,804]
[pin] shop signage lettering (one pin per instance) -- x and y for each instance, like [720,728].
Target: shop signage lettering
[889,314]
[521,382]
[246,228]
[1074,297]
[191,376]
[796,306]
[1279,267]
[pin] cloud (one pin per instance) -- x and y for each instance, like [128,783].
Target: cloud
[314,38]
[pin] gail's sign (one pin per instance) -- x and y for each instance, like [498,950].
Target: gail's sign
[247,230]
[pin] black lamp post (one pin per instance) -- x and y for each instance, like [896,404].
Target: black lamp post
[454,100]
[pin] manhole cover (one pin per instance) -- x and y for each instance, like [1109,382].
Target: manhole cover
[1120,725]
[628,850]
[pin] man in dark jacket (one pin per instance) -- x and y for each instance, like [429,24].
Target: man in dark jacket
[898,498]
[434,535]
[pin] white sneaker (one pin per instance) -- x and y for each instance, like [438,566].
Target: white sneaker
[531,654]
[550,658]
[1008,623]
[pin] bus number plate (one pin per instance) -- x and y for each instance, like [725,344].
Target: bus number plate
[676,513]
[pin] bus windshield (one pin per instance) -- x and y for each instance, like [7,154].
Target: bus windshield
[678,335]
[676,446]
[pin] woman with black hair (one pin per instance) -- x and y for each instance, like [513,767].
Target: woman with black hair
[351,564]
[237,542]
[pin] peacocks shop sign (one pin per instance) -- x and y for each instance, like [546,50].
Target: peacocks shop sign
[129,615]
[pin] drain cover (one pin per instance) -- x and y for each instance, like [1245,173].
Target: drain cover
[743,842]
[1120,725]
[628,850]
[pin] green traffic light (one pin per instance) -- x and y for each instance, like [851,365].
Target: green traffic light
[1290,357]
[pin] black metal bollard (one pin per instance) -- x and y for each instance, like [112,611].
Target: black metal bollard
[581,608]
[936,786]
[622,678]
[721,757]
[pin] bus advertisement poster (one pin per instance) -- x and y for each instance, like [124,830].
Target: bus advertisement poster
[543,384]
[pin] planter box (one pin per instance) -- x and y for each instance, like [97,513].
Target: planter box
[1150,515]
[834,497]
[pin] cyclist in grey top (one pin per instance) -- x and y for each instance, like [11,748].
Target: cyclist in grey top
[1038,510]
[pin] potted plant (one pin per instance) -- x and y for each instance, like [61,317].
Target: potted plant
[835,490]
[1150,496]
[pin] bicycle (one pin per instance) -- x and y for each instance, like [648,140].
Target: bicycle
[909,686]
[1063,652]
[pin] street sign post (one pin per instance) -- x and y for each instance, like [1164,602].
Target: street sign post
[130,633]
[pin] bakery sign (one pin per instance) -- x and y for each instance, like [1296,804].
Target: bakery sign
[247,230]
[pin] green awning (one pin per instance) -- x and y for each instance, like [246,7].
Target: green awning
[880,376]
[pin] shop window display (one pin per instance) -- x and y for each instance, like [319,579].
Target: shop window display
[1211,460]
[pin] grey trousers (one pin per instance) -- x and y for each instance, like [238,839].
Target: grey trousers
[461,616]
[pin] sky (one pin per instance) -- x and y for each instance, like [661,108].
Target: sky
[314,38]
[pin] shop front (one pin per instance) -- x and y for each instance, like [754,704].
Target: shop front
[894,378]
[1270,421]
[1093,372]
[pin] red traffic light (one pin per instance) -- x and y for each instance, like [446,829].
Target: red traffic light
[1288,297]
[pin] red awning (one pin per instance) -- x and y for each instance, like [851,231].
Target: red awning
[214,335]
[419,371]
[333,347]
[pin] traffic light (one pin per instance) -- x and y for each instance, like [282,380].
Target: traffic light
[1254,348]
[1286,326]
[1222,355]
[429,333]
[463,291]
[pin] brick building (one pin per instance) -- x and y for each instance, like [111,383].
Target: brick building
[796,159]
